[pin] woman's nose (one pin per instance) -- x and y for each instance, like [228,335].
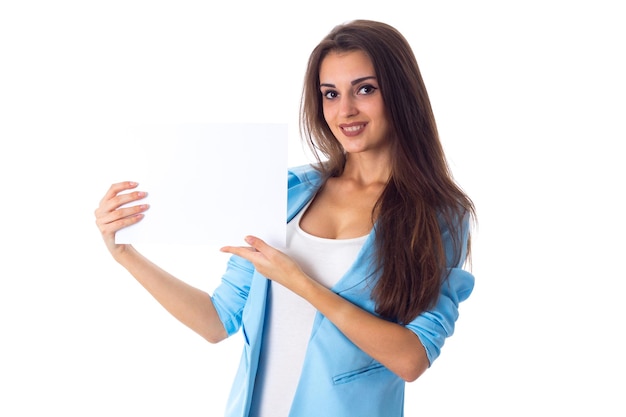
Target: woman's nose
[348,107]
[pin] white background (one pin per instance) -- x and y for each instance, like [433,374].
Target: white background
[529,97]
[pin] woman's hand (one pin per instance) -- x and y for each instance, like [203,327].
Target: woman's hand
[270,262]
[111,217]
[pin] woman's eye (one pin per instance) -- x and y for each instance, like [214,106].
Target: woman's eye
[330,94]
[367,89]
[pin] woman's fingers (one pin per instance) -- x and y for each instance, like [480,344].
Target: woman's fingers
[114,198]
[251,253]
[268,260]
[245,252]
[111,222]
[117,188]
[258,244]
[116,210]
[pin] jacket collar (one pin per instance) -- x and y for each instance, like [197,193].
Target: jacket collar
[304,185]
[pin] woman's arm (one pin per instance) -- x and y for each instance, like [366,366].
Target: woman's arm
[191,306]
[391,344]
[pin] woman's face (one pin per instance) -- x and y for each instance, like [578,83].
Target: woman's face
[352,102]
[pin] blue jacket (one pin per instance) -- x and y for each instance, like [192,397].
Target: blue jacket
[338,379]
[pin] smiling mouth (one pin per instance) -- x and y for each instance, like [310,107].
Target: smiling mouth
[353,128]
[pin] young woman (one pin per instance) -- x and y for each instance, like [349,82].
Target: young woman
[369,285]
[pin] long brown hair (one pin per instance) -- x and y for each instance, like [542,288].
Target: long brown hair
[421,201]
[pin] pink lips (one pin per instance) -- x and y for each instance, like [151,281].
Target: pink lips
[352,129]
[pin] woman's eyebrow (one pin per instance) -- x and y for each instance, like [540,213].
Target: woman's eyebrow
[358,80]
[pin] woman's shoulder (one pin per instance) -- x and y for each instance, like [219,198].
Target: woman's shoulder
[303,183]
[307,173]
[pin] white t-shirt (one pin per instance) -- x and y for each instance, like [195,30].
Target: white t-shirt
[289,318]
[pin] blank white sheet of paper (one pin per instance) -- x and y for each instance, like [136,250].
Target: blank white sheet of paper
[208,183]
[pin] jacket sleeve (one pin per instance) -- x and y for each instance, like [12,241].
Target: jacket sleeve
[437,324]
[230,297]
